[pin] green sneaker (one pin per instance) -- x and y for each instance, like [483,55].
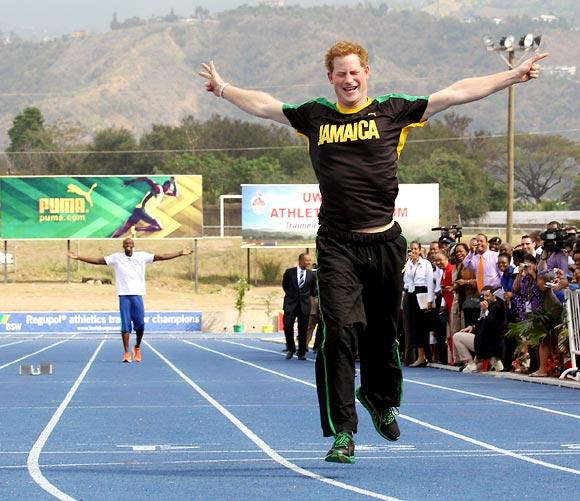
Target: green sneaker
[342,450]
[384,421]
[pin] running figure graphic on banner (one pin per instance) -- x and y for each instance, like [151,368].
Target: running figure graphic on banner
[148,203]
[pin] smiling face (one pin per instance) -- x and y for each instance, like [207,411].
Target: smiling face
[415,251]
[503,263]
[482,244]
[460,253]
[528,244]
[128,245]
[349,79]
[441,260]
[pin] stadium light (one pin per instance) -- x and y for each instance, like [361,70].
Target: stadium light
[507,45]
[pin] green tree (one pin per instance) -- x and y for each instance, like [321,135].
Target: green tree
[112,153]
[544,166]
[226,138]
[26,131]
[67,141]
[223,175]
[573,198]
[463,188]
[28,137]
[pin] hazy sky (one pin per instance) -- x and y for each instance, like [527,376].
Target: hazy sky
[39,18]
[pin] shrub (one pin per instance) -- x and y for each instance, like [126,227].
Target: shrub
[270,270]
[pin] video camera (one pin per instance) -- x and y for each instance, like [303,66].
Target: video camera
[554,237]
[449,234]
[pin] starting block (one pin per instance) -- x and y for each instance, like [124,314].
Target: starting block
[30,370]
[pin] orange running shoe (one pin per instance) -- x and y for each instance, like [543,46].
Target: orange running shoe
[127,357]
[137,354]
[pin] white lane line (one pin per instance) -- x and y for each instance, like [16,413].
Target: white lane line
[496,399]
[21,341]
[446,388]
[491,447]
[258,441]
[4,345]
[36,352]
[249,363]
[465,438]
[267,350]
[141,461]
[34,455]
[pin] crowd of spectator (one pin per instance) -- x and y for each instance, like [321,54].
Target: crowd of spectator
[490,305]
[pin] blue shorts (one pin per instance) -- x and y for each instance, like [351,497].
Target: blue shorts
[132,311]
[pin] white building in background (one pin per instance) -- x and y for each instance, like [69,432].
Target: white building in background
[524,219]
[271,3]
[560,70]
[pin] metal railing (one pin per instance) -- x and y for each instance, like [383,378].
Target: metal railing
[573,316]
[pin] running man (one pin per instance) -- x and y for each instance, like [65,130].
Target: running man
[150,201]
[129,267]
[354,146]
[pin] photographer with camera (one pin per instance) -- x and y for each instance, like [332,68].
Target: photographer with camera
[485,338]
[525,294]
[449,237]
[526,297]
[542,342]
[553,255]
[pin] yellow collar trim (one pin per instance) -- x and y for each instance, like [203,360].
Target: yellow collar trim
[353,110]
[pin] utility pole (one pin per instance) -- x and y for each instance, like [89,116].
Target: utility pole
[507,44]
[510,155]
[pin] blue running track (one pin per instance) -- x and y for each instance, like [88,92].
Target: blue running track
[228,418]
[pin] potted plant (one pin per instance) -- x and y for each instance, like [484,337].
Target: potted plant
[240,288]
[268,326]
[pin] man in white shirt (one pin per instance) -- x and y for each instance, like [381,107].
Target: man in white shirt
[129,269]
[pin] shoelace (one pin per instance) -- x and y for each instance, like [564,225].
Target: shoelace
[388,415]
[342,439]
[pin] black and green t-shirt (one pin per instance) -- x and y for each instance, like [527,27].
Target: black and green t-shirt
[354,154]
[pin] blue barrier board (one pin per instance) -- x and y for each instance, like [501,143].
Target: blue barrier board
[96,321]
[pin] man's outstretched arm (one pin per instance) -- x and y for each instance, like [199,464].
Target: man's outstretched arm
[172,255]
[257,103]
[90,260]
[473,89]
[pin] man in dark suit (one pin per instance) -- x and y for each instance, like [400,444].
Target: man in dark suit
[485,338]
[298,284]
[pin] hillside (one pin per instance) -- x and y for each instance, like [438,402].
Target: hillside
[139,76]
[564,9]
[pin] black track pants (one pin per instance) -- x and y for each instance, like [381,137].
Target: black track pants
[360,285]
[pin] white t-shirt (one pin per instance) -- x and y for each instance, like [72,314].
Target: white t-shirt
[419,275]
[129,272]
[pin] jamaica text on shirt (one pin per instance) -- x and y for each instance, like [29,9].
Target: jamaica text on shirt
[362,130]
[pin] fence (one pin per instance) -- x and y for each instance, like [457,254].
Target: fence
[573,315]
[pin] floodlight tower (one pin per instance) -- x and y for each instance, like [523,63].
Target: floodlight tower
[507,45]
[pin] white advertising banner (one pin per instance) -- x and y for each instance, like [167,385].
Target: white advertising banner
[287,214]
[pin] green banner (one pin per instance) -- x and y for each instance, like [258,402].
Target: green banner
[100,207]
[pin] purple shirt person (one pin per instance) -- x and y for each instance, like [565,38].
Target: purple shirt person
[526,297]
[552,260]
[486,273]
